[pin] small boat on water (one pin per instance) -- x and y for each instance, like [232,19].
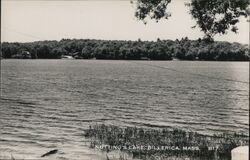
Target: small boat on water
[67,57]
[175,59]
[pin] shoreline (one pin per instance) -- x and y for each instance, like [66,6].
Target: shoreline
[183,49]
[128,60]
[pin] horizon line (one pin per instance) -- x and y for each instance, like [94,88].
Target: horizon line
[117,40]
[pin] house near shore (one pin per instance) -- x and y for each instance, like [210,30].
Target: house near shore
[74,54]
[26,54]
[22,55]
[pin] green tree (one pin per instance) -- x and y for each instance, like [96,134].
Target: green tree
[183,49]
[217,16]
[212,16]
[44,52]
[58,52]
[153,9]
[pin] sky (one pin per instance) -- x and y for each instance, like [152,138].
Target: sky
[35,20]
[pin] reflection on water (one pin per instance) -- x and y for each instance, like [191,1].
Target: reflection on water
[46,104]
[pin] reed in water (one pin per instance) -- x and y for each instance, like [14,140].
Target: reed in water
[144,143]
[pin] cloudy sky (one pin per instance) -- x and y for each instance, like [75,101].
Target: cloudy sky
[32,20]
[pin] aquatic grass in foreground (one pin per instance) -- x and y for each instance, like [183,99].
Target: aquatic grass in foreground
[149,143]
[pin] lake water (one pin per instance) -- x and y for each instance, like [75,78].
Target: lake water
[46,104]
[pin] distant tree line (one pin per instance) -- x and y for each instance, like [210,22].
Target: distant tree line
[184,49]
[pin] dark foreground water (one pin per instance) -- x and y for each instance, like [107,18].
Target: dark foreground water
[46,104]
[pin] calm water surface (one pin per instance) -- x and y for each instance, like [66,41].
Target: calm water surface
[46,104]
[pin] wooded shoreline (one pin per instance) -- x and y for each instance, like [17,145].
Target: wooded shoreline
[184,49]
